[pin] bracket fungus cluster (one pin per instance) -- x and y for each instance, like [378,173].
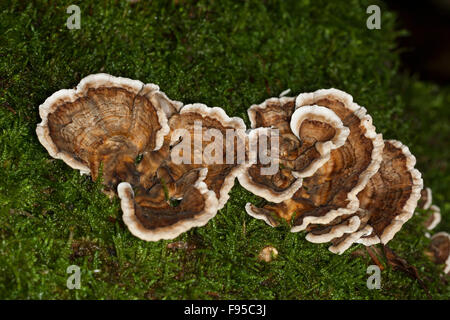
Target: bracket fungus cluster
[440,250]
[172,167]
[130,128]
[338,179]
[432,211]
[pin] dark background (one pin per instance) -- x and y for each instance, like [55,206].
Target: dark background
[426,50]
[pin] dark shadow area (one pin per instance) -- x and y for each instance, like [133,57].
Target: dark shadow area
[426,50]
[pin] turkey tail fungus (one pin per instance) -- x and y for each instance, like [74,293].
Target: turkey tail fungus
[364,191]
[327,173]
[130,129]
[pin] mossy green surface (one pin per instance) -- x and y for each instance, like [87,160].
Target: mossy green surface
[227,54]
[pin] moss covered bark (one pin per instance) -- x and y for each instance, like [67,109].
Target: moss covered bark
[223,53]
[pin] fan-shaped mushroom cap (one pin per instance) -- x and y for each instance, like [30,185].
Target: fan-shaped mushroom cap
[319,124]
[150,216]
[433,212]
[215,141]
[434,217]
[276,186]
[391,195]
[274,112]
[106,119]
[440,246]
[342,232]
[426,199]
[306,138]
[331,191]
[334,230]
[321,127]
[200,180]
[344,242]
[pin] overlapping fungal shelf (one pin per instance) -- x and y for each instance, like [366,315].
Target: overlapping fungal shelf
[336,178]
[439,247]
[130,128]
[440,250]
[432,211]
[364,188]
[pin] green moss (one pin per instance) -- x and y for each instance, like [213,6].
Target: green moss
[227,54]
